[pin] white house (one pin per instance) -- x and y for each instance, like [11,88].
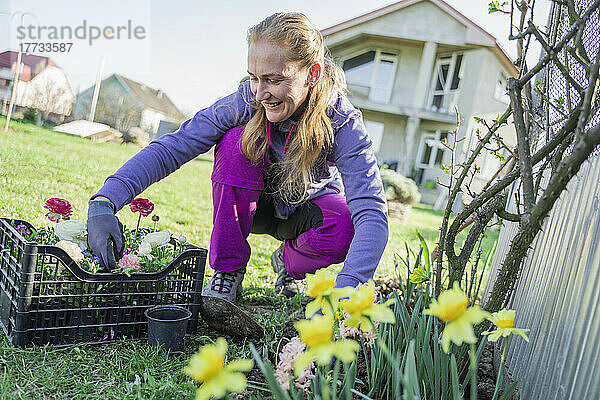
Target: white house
[408,65]
[42,84]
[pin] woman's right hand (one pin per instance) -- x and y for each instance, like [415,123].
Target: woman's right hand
[105,232]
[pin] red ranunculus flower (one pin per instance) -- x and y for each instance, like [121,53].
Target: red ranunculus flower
[58,208]
[144,206]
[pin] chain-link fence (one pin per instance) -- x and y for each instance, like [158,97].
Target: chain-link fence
[562,96]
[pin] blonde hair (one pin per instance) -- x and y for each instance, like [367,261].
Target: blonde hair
[314,134]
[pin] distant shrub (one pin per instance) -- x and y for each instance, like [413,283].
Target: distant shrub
[29,114]
[399,188]
[136,135]
[32,115]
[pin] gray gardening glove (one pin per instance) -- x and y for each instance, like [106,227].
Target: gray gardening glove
[105,233]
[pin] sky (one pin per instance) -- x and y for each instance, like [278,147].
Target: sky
[194,51]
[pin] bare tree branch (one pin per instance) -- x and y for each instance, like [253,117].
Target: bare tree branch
[508,179]
[456,189]
[507,276]
[442,241]
[502,213]
[458,263]
[523,146]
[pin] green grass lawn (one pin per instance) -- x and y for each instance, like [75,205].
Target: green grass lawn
[37,163]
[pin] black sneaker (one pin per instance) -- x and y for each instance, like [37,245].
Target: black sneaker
[225,285]
[285,284]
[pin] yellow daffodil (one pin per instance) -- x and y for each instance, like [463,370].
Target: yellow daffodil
[451,307]
[317,334]
[321,286]
[208,368]
[419,275]
[504,321]
[364,311]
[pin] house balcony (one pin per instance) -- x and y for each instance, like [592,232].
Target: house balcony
[443,111]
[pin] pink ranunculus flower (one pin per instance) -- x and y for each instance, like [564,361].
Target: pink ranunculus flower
[130,261]
[58,208]
[144,206]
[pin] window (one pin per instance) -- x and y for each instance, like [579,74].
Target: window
[371,75]
[501,91]
[375,131]
[431,150]
[4,82]
[446,82]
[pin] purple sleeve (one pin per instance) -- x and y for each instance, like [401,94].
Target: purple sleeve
[366,200]
[169,152]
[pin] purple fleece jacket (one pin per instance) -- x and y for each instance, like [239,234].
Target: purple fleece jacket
[351,158]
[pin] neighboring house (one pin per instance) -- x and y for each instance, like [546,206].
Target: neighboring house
[42,85]
[408,65]
[124,104]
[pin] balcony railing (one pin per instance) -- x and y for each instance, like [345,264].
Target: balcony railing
[443,102]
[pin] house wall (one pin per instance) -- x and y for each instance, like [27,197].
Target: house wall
[405,84]
[48,91]
[393,135]
[150,120]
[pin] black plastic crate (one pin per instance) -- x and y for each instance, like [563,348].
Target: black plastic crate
[45,297]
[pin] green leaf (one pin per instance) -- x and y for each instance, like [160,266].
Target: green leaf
[349,379]
[426,255]
[456,395]
[276,390]
[509,390]
[410,377]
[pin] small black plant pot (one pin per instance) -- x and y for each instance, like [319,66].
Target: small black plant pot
[167,326]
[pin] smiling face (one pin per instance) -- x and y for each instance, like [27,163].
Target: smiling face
[279,85]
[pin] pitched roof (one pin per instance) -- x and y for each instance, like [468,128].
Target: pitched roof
[473,30]
[33,64]
[152,98]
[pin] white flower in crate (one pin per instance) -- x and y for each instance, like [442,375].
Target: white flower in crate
[72,249]
[155,239]
[145,249]
[72,230]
